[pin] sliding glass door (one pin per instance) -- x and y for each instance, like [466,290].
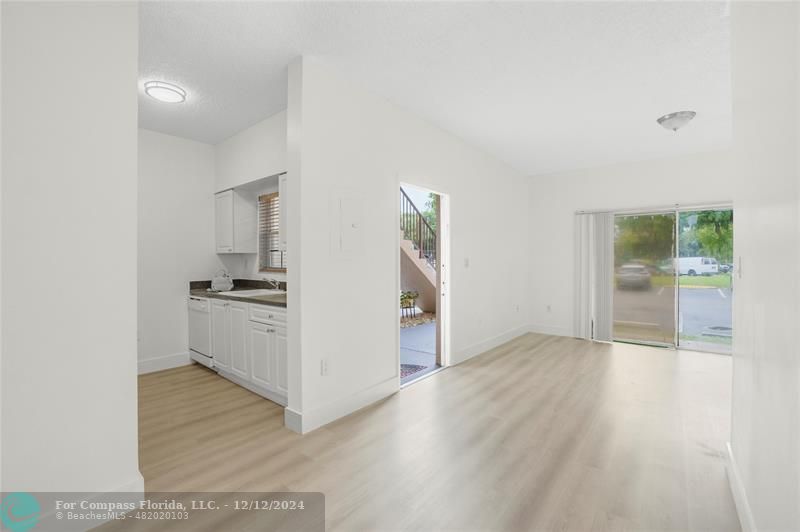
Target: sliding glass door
[644,278]
[705,268]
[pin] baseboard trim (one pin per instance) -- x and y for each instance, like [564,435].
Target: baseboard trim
[304,422]
[549,330]
[746,520]
[486,345]
[293,420]
[149,365]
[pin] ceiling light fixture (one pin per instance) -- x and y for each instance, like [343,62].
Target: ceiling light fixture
[675,121]
[165,92]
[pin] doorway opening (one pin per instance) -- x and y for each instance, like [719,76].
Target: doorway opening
[673,279]
[422,283]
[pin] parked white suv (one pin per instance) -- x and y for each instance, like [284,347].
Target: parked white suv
[697,266]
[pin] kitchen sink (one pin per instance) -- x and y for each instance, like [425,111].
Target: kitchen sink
[253,293]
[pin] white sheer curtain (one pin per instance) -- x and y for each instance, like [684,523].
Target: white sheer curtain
[594,276]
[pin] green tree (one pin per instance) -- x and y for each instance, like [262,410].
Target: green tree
[707,233]
[646,239]
[431,207]
[688,243]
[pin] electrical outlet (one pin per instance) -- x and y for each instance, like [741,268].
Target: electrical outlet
[548,308]
[323,367]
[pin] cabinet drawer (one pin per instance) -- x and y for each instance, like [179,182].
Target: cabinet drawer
[199,304]
[267,314]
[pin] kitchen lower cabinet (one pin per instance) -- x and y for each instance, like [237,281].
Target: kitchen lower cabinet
[249,347]
[281,361]
[268,357]
[238,329]
[220,334]
[262,349]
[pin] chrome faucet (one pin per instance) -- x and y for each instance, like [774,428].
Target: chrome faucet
[276,285]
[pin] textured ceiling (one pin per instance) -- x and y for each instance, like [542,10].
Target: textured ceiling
[543,86]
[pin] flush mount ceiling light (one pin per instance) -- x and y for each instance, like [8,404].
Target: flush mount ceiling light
[675,121]
[165,92]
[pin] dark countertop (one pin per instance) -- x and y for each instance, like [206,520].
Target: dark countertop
[278,300]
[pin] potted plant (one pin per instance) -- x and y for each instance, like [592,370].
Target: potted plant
[408,302]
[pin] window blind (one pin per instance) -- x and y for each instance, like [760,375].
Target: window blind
[270,256]
[594,281]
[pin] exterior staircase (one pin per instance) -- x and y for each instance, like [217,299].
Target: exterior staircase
[417,254]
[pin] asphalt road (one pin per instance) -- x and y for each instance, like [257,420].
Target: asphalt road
[699,308]
[702,307]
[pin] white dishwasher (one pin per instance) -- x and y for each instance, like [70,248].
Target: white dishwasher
[200,331]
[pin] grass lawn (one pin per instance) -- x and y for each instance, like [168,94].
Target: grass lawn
[725,340]
[721,280]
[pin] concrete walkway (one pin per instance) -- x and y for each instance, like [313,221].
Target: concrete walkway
[418,347]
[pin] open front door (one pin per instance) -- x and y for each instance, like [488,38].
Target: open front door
[423,283]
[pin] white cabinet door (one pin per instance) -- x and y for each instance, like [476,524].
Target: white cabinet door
[223,215]
[282,186]
[238,334]
[281,361]
[261,344]
[245,223]
[220,334]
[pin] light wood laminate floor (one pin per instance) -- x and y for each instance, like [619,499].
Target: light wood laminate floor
[542,433]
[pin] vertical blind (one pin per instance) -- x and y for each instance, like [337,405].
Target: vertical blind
[270,255]
[594,281]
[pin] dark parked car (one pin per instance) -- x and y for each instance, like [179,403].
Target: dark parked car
[633,276]
[726,268]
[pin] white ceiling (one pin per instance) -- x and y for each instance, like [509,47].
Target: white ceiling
[543,86]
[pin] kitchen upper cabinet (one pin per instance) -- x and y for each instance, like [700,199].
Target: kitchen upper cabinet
[220,334]
[236,222]
[223,215]
[238,331]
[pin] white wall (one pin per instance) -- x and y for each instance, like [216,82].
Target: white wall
[69,407]
[355,145]
[692,179]
[176,241]
[765,438]
[257,152]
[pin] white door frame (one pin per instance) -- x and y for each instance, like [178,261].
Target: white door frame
[442,271]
